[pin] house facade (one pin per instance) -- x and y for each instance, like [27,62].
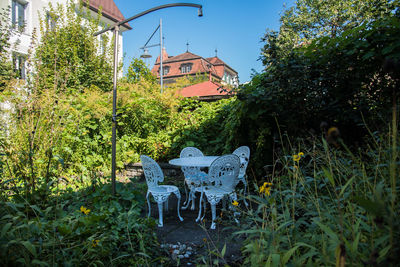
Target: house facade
[189,64]
[25,14]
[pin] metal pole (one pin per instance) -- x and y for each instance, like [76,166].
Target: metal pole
[115,28]
[114,115]
[161,57]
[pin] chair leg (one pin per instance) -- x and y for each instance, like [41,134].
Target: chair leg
[166,205]
[205,208]
[213,212]
[178,195]
[188,201]
[200,200]
[214,200]
[160,214]
[148,203]
[193,200]
[233,197]
[186,193]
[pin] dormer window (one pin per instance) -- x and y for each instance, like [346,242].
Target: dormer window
[165,70]
[186,68]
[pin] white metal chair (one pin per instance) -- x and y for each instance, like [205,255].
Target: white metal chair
[222,175]
[194,177]
[243,153]
[160,193]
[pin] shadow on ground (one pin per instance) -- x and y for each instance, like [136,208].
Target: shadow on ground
[190,243]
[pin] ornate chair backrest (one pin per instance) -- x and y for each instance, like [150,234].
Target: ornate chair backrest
[191,172]
[152,171]
[224,172]
[243,153]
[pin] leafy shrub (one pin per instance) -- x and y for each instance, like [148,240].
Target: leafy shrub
[327,207]
[88,227]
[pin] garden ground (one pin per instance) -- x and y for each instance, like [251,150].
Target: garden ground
[206,245]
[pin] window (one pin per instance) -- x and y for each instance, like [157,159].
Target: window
[103,44]
[51,21]
[19,65]
[186,68]
[165,70]
[18,14]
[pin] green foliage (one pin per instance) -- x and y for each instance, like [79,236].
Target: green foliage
[139,71]
[329,208]
[307,20]
[6,73]
[68,56]
[339,80]
[59,232]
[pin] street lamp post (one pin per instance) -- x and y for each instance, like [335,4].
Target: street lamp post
[115,28]
[146,55]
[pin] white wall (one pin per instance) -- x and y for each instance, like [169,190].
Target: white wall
[21,42]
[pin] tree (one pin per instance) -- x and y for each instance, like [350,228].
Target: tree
[310,19]
[139,71]
[69,54]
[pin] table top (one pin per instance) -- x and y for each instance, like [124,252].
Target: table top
[204,161]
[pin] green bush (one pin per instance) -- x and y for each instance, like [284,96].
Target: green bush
[327,207]
[87,227]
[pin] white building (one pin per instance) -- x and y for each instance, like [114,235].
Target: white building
[26,13]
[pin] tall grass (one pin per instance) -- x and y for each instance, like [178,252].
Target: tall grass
[330,206]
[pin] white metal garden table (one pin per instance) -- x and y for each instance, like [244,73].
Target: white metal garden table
[204,161]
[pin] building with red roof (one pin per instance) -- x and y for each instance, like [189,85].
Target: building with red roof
[189,64]
[206,91]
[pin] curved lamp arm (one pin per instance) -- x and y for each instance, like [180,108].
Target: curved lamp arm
[200,7]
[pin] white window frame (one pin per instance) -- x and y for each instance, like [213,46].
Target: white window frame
[19,64]
[186,68]
[166,70]
[16,19]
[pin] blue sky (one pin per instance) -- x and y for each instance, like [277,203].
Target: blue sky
[233,27]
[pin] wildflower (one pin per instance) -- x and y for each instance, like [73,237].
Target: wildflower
[204,240]
[267,191]
[95,243]
[235,203]
[84,210]
[265,188]
[297,157]
[332,130]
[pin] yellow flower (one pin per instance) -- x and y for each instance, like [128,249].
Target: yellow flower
[85,210]
[265,188]
[204,239]
[95,243]
[267,191]
[235,203]
[297,157]
[332,130]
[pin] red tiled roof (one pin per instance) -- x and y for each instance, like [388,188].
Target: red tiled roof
[199,64]
[109,10]
[207,88]
[215,61]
